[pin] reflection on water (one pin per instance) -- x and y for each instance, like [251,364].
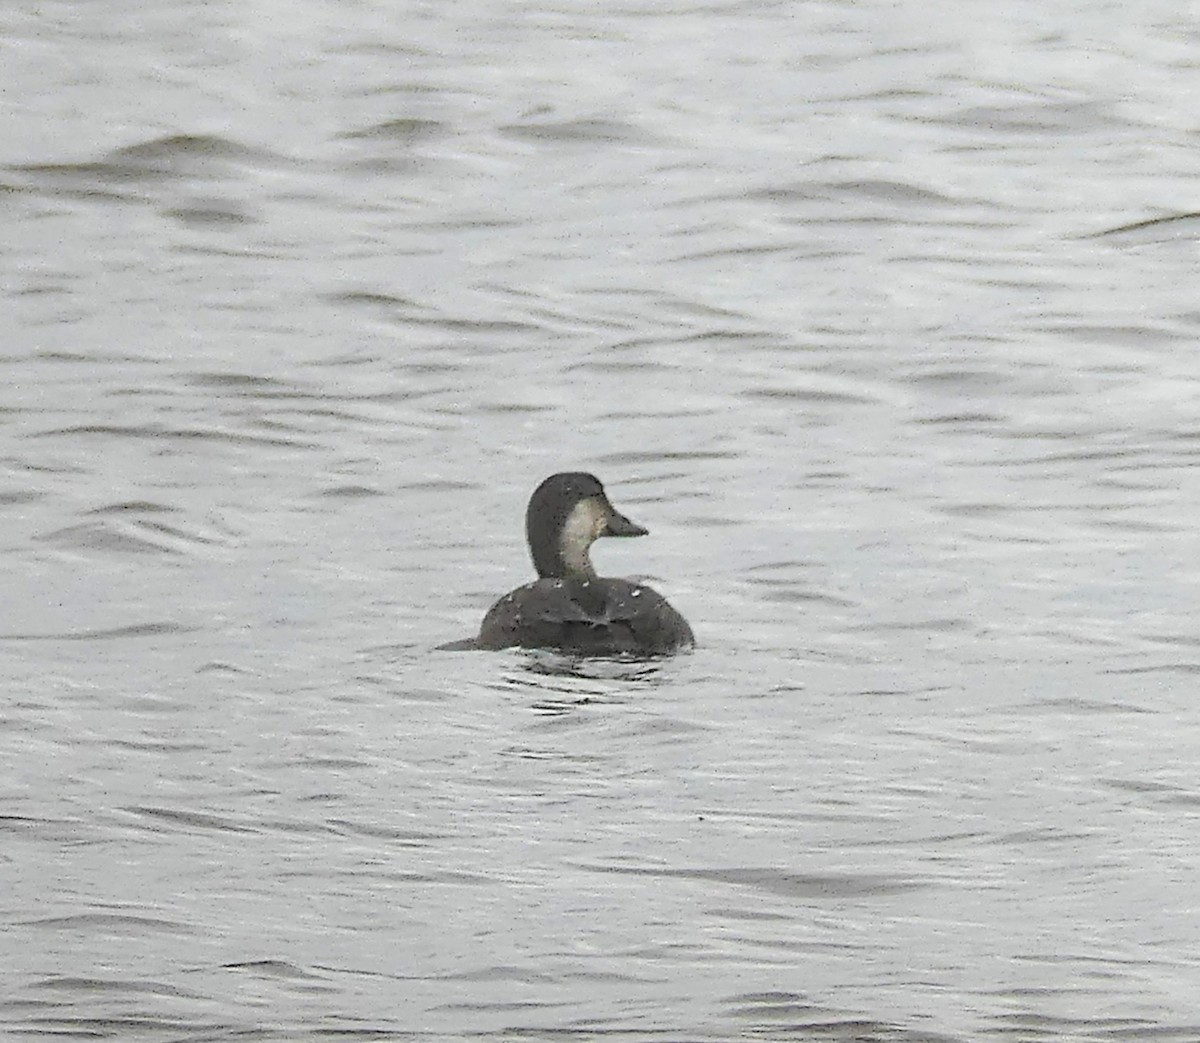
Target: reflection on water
[890,322]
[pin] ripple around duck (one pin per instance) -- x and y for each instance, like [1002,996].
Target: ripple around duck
[402,837]
[209,215]
[134,168]
[125,507]
[399,131]
[281,969]
[1153,230]
[577,131]
[804,886]
[190,821]
[506,973]
[13,497]
[175,148]
[89,987]
[651,456]
[817,395]
[136,630]
[1035,119]
[61,831]
[1036,1026]
[350,492]
[106,537]
[112,922]
[248,385]
[784,1015]
[903,193]
[158,432]
[136,1026]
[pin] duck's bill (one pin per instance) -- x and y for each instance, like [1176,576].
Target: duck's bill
[619,525]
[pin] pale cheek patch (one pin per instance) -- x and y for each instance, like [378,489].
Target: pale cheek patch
[580,527]
[584,524]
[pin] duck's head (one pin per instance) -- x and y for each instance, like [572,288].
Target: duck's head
[567,514]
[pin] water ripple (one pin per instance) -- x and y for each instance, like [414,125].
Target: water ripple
[830,887]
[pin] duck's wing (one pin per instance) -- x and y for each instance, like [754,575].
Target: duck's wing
[642,620]
[531,616]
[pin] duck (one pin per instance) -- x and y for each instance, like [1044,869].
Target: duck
[569,607]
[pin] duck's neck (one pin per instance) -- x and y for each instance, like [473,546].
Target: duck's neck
[566,561]
[577,563]
[568,557]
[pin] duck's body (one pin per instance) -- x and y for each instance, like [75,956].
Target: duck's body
[568,607]
[591,617]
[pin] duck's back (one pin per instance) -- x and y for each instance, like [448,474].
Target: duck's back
[592,617]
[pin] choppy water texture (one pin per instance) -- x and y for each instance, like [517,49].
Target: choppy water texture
[882,318]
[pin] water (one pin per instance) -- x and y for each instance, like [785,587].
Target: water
[854,307]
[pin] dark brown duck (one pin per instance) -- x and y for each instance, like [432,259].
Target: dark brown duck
[569,607]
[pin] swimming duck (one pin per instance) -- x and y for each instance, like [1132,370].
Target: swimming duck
[569,607]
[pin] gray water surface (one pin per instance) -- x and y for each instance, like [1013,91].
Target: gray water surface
[881,318]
